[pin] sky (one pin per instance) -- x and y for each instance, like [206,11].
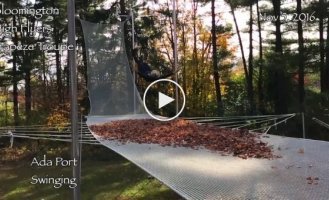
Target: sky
[226,17]
[242,15]
[221,7]
[203,11]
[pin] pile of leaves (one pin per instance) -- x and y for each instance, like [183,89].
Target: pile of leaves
[183,133]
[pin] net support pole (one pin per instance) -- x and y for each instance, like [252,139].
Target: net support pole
[11,139]
[175,53]
[73,92]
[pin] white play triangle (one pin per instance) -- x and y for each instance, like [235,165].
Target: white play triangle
[164,100]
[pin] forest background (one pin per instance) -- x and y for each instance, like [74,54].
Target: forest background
[272,65]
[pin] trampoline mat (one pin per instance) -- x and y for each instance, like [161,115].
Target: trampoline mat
[301,173]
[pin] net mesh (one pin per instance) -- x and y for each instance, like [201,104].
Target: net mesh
[301,173]
[110,82]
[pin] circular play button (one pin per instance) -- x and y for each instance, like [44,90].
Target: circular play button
[164,100]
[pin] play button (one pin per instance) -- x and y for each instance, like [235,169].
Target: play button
[164,100]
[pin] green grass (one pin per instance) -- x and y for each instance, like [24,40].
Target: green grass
[104,176]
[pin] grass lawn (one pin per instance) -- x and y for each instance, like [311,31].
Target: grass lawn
[105,175]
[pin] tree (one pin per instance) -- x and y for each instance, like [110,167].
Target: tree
[280,102]
[326,70]
[249,75]
[278,36]
[260,63]
[215,60]
[27,57]
[301,58]
[58,34]
[322,11]
[5,82]
[248,68]
[15,76]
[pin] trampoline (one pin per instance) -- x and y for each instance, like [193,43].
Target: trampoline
[202,174]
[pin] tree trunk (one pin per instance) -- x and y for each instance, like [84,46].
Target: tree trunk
[278,37]
[85,62]
[28,56]
[6,107]
[280,100]
[44,79]
[26,68]
[215,60]
[6,112]
[195,53]
[244,62]
[57,39]
[184,57]
[15,78]
[326,70]
[67,75]
[58,68]
[321,45]
[28,94]
[261,62]
[128,42]
[301,58]
[249,76]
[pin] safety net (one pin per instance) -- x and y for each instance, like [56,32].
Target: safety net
[110,82]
